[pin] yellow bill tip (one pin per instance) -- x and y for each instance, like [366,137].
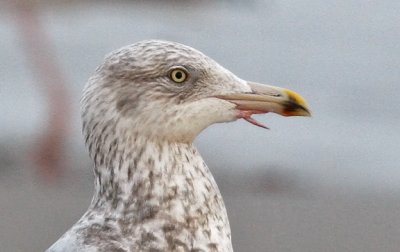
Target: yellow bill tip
[297,105]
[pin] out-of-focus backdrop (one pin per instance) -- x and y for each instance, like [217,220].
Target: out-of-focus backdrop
[326,183]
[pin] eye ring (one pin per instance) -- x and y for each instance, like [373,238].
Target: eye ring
[178,75]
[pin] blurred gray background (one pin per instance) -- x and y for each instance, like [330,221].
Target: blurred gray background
[326,183]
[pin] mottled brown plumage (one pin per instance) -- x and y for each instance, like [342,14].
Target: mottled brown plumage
[153,191]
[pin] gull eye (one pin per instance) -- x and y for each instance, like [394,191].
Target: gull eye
[178,75]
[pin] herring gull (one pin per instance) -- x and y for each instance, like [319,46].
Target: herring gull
[141,111]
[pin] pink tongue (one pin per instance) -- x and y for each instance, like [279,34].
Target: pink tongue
[246,115]
[253,121]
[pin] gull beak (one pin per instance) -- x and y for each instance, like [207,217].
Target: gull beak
[265,98]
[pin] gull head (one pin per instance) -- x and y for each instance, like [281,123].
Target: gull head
[168,91]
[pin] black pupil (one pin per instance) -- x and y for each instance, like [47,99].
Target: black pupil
[178,75]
